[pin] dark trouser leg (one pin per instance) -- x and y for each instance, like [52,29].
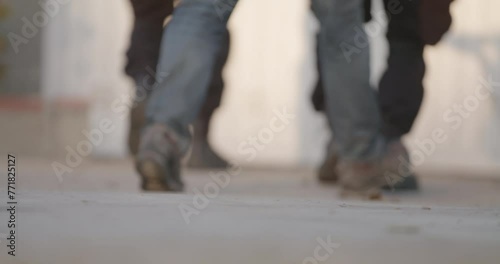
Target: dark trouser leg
[142,55]
[401,89]
[318,96]
[146,36]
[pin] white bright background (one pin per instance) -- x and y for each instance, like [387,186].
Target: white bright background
[271,67]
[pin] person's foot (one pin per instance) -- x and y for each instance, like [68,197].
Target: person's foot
[327,173]
[204,157]
[158,160]
[360,179]
[397,172]
[137,121]
[410,183]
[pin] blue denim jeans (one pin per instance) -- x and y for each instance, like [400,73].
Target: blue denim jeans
[193,45]
[344,65]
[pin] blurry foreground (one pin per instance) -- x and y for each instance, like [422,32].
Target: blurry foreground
[98,216]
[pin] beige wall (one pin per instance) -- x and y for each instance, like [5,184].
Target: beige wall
[470,53]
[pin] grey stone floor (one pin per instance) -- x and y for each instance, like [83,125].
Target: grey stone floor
[97,215]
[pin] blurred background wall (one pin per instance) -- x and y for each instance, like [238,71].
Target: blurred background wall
[73,70]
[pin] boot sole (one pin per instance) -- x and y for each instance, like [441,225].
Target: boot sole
[370,195]
[152,176]
[408,184]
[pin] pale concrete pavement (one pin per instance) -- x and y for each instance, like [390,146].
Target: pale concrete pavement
[97,215]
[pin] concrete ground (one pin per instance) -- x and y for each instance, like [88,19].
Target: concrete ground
[97,215]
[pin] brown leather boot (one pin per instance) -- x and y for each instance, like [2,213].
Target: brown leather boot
[360,179]
[159,158]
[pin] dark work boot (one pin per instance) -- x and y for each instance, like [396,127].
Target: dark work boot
[327,173]
[360,179]
[397,168]
[158,160]
[202,155]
